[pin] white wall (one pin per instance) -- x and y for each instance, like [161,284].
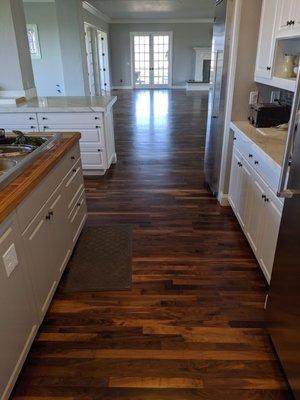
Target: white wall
[48,71]
[186,36]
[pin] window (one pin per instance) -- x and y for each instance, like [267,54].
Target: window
[33,40]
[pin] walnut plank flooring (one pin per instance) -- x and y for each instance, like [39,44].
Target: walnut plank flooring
[192,327]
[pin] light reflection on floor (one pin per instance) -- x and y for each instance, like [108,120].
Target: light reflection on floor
[152,109]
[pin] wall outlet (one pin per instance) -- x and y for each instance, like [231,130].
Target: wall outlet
[253,98]
[10,259]
[275,96]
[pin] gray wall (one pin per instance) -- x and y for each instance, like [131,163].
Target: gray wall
[15,65]
[48,71]
[185,38]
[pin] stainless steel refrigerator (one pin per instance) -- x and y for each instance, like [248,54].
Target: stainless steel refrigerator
[217,93]
[283,306]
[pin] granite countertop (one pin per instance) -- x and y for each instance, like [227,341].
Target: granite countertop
[270,140]
[62,104]
[23,184]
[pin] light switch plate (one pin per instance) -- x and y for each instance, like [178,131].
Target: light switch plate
[10,259]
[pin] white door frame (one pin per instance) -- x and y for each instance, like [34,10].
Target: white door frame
[170,34]
[103,61]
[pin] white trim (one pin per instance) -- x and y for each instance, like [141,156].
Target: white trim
[122,87]
[170,33]
[197,86]
[230,92]
[93,10]
[223,200]
[161,21]
[28,93]
[178,87]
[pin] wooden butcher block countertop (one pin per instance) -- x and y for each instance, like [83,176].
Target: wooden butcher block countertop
[13,194]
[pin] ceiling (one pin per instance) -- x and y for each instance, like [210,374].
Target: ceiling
[155,9]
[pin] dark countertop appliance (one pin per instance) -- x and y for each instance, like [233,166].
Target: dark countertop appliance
[265,115]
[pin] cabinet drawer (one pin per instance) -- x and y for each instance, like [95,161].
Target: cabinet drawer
[71,119]
[23,128]
[88,136]
[92,157]
[15,119]
[74,184]
[267,169]
[72,157]
[77,216]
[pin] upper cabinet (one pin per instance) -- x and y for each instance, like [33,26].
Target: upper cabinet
[265,51]
[288,18]
[279,36]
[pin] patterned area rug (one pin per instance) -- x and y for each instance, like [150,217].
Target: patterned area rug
[101,261]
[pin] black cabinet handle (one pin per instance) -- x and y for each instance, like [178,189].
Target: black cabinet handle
[32,127]
[99,150]
[256,162]
[72,158]
[78,204]
[250,155]
[288,23]
[46,127]
[234,138]
[97,127]
[31,118]
[266,200]
[44,118]
[74,170]
[97,118]
[48,216]
[268,68]
[263,196]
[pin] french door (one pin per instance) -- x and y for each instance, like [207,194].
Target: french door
[151,59]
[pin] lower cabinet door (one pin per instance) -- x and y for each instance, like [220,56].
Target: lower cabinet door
[270,231]
[59,232]
[40,260]
[18,318]
[256,211]
[243,193]
[234,186]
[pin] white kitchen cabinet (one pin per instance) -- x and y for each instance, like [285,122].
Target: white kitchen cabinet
[269,235]
[256,208]
[18,317]
[239,186]
[265,50]
[253,201]
[233,194]
[39,256]
[288,18]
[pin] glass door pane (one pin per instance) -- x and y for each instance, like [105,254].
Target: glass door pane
[161,53]
[141,44]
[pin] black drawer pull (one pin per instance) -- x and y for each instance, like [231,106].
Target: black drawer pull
[78,204]
[32,127]
[250,155]
[97,127]
[256,162]
[72,158]
[74,170]
[97,118]
[44,118]
[31,118]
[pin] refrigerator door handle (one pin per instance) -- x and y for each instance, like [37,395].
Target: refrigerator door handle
[283,190]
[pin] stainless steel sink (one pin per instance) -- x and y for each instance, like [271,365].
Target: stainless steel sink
[11,150]
[6,164]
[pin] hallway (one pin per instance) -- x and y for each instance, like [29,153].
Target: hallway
[192,325]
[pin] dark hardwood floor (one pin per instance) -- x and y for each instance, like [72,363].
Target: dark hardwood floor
[192,327]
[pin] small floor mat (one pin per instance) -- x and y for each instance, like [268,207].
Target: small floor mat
[101,261]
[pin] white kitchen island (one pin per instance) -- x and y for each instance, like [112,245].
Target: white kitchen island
[91,116]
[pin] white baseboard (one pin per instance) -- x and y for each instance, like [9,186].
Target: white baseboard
[190,87]
[122,87]
[223,199]
[178,87]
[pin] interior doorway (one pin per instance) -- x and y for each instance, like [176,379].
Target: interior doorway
[151,59]
[96,43]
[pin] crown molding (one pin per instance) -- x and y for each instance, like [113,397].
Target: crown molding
[93,10]
[161,21]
